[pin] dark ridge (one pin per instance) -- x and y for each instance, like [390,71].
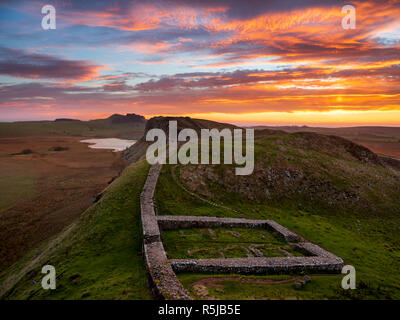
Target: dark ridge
[129,117]
[185,123]
[332,144]
[136,151]
[65,120]
[390,161]
[261,133]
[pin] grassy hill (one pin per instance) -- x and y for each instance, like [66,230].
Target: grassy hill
[335,193]
[308,170]
[116,126]
[98,257]
[371,131]
[137,151]
[382,140]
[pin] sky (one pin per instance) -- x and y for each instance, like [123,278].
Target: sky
[277,62]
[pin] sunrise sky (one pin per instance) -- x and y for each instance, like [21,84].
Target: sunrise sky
[245,62]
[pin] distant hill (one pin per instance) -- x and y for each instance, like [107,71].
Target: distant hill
[186,123]
[130,126]
[65,119]
[129,117]
[382,140]
[371,131]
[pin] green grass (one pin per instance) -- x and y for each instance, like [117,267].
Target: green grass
[172,200]
[223,242]
[369,242]
[15,188]
[364,233]
[102,257]
[377,188]
[235,287]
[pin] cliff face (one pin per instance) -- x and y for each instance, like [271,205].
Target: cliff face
[138,150]
[129,117]
[185,123]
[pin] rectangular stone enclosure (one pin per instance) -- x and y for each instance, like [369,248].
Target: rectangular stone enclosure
[161,270]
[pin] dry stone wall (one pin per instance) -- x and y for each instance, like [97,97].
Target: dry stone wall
[177,222]
[257,265]
[317,261]
[163,280]
[162,271]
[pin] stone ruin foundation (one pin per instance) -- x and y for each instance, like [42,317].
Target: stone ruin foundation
[162,271]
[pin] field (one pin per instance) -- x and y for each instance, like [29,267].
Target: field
[100,128]
[385,146]
[98,257]
[43,190]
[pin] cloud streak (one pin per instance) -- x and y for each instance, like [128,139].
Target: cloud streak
[19,63]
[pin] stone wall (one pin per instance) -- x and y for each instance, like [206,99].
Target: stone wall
[162,271]
[311,249]
[163,280]
[150,228]
[318,260]
[256,265]
[177,222]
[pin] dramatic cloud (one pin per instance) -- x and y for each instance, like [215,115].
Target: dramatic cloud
[204,57]
[19,63]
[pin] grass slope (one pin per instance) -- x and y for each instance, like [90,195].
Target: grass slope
[384,140]
[203,243]
[101,258]
[172,200]
[363,230]
[272,287]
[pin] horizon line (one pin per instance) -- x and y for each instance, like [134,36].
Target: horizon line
[249,125]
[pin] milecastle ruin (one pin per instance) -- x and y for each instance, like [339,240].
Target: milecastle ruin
[162,271]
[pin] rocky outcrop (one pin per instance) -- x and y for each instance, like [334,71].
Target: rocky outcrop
[138,150]
[129,117]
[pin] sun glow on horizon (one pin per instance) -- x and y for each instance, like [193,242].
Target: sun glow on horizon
[334,118]
[276,64]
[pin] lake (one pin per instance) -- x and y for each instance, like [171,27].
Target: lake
[109,143]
